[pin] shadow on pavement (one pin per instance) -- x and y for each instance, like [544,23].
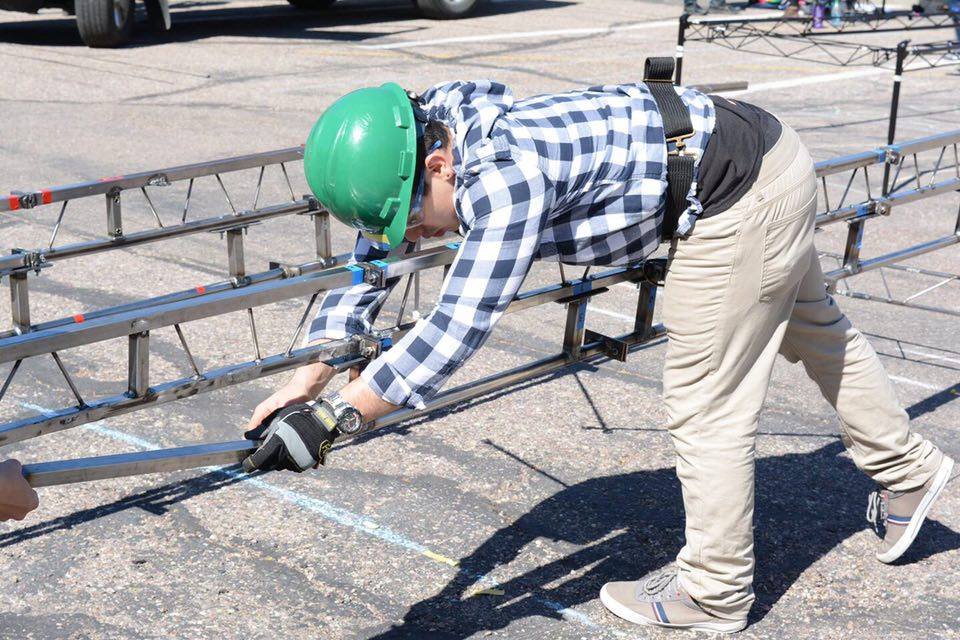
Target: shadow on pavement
[155,501]
[934,402]
[197,21]
[626,525]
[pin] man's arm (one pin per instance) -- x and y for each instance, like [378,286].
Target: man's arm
[343,312]
[507,203]
[506,206]
[352,310]
[17,498]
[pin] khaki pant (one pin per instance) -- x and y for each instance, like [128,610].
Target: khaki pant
[744,286]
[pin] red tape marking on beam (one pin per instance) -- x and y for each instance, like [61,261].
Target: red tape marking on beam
[14,202]
[201,289]
[78,318]
[46,196]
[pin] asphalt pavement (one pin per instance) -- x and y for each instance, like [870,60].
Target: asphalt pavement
[501,517]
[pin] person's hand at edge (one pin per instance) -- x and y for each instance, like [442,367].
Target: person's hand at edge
[17,497]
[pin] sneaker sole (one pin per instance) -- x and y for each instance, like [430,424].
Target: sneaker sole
[630,615]
[913,528]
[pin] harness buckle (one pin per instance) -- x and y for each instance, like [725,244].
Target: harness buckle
[679,145]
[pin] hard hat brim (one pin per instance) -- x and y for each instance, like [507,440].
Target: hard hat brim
[398,226]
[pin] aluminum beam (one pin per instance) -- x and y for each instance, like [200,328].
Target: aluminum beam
[46,474]
[42,257]
[155,178]
[275,273]
[164,315]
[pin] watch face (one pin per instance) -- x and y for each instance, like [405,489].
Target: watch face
[350,422]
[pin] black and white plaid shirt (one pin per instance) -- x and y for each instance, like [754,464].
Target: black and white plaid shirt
[577,177]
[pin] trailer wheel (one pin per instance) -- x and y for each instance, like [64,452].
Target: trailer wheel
[311,5]
[105,23]
[446,9]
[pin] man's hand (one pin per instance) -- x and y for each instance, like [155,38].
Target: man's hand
[288,394]
[307,383]
[17,498]
[294,437]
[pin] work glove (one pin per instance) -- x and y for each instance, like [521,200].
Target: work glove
[294,438]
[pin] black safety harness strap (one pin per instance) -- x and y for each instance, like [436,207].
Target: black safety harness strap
[677,128]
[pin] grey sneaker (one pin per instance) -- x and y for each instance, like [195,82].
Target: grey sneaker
[659,601]
[901,513]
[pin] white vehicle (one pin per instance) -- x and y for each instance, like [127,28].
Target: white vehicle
[109,23]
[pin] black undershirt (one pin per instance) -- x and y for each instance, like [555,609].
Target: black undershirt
[741,136]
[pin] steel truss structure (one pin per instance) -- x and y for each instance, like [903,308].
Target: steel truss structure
[908,177]
[903,173]
[796,37]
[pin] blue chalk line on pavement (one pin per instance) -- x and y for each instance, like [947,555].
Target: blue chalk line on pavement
[346,518]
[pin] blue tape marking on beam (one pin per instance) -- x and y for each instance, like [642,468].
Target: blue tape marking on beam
[383,265]
[386,343]
[881,154]
[357,273]
[863,209]
[453,245]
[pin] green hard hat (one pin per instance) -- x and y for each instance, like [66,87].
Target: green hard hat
[360,160]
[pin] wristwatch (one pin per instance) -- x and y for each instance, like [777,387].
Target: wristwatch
[344,415]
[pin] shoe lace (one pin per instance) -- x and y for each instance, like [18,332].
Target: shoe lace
[877,508]
[658,582]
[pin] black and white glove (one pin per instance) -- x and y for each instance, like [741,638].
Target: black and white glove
[296,438]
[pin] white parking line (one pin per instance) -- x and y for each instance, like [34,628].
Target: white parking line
[522,35]
[824,77]
[916,383]
[932,356]
[806,80]
[612,314]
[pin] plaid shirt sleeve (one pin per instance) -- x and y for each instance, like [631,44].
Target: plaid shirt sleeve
[352,310]
[505,204]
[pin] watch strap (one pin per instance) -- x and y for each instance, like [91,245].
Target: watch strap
[346,416]
[338,404]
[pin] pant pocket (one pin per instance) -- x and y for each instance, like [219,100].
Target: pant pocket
[785,245]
